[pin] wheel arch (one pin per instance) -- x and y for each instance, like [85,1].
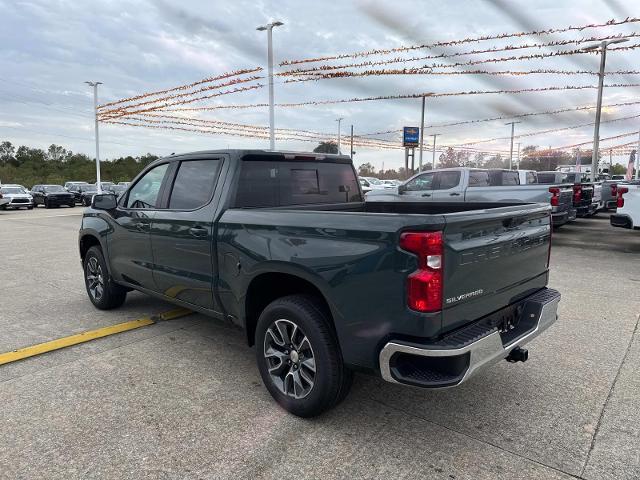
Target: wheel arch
[269,286]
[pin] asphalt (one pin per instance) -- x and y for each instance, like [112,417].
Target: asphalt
[183,398]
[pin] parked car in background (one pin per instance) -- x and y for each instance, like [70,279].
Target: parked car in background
[628,206]
[473,185]
[117,190]
[124,184]
[322,283]
[3,201]
[618,177]
[583,189]
[365,186]
[390,183]
[74,187]
[17,195]
[68,185]
[376,184]
[85,194]
[52,196]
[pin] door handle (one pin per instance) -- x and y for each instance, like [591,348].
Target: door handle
[198,231]
[142,226]
[426,194]
[454,194]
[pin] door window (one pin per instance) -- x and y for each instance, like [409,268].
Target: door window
[478,178]
[447,180]
[145,193]
[194,184]
[422,182]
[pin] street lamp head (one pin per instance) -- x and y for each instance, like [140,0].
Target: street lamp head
[269,26]
[618,40]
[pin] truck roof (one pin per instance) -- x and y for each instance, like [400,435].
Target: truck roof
[288,154]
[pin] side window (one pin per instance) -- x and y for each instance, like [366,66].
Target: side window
[194,184]
[447,180]
[532,177]
[144,193]
[422,182]
[478,178]
[510,178]
[258,185]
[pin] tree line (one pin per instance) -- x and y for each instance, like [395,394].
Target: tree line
[30,166]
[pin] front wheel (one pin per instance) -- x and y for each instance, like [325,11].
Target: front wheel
[299,358]
[102,291]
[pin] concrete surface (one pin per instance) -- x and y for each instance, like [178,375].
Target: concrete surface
[183,398]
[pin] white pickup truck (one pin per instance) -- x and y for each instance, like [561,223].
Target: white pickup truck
[476,185]
[628,202]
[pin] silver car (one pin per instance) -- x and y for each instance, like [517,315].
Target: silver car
[17,196]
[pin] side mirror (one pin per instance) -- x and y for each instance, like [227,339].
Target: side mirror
[402,189]
[104,201]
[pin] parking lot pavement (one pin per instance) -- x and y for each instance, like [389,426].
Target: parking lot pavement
[183,398]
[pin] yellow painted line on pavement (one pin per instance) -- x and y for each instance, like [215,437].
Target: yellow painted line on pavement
[89,335]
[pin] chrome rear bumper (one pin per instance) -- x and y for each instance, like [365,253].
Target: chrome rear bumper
[446,365]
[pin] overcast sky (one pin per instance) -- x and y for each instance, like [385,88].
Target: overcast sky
[49,48]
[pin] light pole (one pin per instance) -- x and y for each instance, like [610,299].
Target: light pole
[433,151]
[513,124]
[421,136]
[638,157]
[339,120]
[596,131]
[95,112]
[269,28]
[518,156]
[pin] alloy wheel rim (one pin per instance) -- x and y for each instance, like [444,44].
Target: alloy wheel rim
[95,279]
[290,359]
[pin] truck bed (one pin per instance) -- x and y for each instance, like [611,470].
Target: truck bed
[495,255]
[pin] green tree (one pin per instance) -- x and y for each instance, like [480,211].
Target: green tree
[366,170]
[7,152]
[326,147]
[56,153]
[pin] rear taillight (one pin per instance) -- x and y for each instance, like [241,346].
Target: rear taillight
[577,193]
[555,196]
[620,199]
[614,189]
[424,286]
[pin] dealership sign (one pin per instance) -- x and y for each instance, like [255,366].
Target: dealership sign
[410,136]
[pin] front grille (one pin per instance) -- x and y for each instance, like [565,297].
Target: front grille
[19,200]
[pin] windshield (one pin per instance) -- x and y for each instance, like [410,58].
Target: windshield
[11,190]
[374,181]
[53,188]
[90,189]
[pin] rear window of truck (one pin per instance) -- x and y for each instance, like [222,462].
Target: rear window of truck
[546,178]
[282,183]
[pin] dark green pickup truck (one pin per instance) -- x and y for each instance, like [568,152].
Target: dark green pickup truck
[282,245]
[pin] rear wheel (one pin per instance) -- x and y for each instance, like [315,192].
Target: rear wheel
[102,291]
[299,358]
[46,203]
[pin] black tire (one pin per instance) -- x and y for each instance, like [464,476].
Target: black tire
[71,205]
[331,379]
[31,207]
[113,295]
[46,204]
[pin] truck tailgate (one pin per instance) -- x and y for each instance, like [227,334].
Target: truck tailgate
[493,258]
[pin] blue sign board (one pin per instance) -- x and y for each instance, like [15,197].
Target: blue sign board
[411,136]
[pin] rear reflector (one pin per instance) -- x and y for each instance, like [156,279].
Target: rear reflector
[424,286]
[614,189]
